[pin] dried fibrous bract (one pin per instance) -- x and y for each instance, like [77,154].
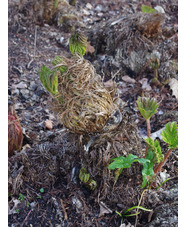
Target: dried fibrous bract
[82,102]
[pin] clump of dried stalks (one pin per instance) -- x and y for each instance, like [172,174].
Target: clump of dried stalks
[86,104]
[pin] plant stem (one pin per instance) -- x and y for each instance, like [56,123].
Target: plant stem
[148,127]
[156,74]
[148,133]
[158,168]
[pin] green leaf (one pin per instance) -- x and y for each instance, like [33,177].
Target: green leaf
[170,135]
[129,215]
[147,173]
[155,148]
[147,9]
[147,107]
[143,160]
[137,207]
[123,162]
[118,213]
[57,61]
[42,190]
[21,197]
[49,79]
[78,44]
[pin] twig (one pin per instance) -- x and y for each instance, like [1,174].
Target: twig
[33,58]
[26,218]
[35,39]
[64,209]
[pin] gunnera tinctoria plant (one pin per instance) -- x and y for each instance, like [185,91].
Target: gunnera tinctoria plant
[80,99]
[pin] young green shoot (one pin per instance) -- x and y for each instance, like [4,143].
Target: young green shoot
[147,9]
[154,155]
[49,79]
[85,178]
[42,190]
[21,197]
[147,108]
[17,211]
[125,214]
[78,44]
[163,183]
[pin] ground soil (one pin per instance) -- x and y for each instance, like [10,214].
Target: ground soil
[67,202]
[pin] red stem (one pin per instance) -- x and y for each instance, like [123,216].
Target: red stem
[158,168]
[148,127]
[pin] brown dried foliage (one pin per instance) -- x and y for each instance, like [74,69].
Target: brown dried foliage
[87,104]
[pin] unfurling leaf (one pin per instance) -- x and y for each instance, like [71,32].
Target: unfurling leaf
[147,9]
[57,61]
[92,184]
[147,107]
[77,44]
[155,148]
[170,135]
[49,79]
[84,176]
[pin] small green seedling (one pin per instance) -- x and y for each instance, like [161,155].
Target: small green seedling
[42,190]
[147,108]
[155,64]
[17,211]
[147,9]
[21,197]
[124,215]
[124,162]
[154,155]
